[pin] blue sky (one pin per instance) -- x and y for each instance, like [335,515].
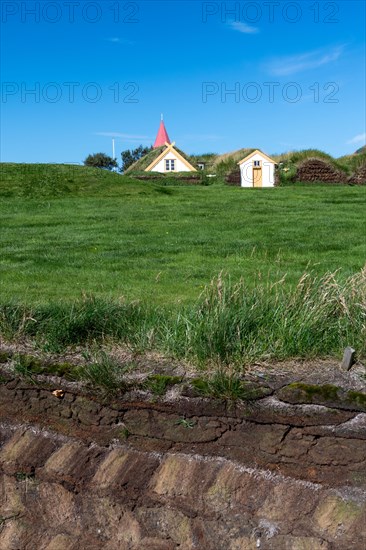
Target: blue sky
[274,75]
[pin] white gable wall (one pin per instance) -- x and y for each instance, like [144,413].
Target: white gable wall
[268,171]
[179,165]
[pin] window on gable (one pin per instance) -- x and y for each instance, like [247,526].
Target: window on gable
[257,163]
[170,165]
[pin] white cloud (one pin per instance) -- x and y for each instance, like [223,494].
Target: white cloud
[243,27]
[360,138]
[284,66]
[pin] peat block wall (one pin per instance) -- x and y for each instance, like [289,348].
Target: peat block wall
[359,177]
[138,472]
[319,170]
[234,178]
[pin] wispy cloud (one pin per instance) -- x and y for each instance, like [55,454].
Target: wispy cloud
[284,66]
[122,136]
[201,137]
[360,138]
[243,27]
[117,40]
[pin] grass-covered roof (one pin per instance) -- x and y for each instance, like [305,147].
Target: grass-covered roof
[141,164]
[233,157]
[227,162]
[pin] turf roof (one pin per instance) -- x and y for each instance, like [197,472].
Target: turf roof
[141,164]
[233,156]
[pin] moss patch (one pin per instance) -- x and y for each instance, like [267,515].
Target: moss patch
[64,370]
[229,387]
[357,398]
[159,383]
[327,391]
[327,394]
[28,365]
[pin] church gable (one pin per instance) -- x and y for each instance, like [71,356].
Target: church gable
[163,157]
[170,160]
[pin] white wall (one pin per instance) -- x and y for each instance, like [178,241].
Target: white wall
[268,172]
[179,165]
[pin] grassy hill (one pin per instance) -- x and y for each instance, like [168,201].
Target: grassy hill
[88,255]
[72,229]
[62,180]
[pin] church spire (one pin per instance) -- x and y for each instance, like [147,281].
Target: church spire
[162,135]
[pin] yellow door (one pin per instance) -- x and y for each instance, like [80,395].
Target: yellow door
[257,176]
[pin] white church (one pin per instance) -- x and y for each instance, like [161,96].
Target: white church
[169,160]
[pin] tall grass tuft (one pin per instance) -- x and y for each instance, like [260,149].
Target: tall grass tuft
[103,372]
[317,317]
[225,385]
[231,324]
[58,325]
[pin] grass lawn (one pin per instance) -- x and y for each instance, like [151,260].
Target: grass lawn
[108,235]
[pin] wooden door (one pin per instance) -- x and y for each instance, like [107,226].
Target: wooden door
[257,176]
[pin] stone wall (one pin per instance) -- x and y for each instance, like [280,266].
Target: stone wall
[285,472]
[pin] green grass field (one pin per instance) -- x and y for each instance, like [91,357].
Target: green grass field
[113,236]
[88,255]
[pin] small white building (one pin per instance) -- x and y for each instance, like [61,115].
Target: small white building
[257,170]
[170,160]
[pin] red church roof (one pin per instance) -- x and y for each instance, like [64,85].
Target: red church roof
[162,136]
